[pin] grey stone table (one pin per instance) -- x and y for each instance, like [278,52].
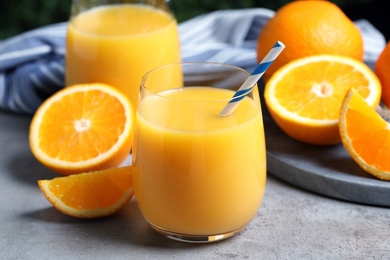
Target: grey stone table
[291,224]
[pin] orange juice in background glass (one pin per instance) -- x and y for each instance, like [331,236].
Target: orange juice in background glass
[118,43]
[200,176]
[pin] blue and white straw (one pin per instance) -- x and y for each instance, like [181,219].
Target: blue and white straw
[251,81]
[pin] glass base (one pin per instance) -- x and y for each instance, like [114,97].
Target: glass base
[195,238]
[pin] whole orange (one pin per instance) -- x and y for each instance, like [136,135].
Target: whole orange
[382,70]
[309,28]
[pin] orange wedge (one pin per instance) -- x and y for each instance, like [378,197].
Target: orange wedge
[90,195]
[365,135]
[304,97]
[83,128]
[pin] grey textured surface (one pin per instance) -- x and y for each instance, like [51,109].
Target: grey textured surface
[291,224]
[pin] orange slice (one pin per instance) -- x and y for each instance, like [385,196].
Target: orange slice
[90,195]
[365,135]
[304,96]
[83,128]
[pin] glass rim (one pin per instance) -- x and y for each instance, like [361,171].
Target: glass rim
[195,63]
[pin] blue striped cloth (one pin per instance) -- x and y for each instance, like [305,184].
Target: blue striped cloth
[32,63]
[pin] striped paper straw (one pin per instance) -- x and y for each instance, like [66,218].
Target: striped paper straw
[251,81]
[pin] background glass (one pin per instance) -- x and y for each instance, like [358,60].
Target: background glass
[200,177]
[117,42]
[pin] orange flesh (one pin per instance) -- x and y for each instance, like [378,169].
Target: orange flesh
[93,133]
[316,90]
[368,134]
[90,194]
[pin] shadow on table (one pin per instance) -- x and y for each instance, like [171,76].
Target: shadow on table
[26,169]
[127,227]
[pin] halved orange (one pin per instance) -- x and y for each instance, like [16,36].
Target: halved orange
[90,195]
[83,128]
[304,96]
[365,135]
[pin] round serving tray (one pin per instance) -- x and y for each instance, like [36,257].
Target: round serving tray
[327,170]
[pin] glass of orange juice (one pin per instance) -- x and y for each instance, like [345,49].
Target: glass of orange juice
[200,177]
[117,42]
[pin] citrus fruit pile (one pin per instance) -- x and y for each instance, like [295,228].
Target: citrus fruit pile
[319,91]
[365,132]
[85,131]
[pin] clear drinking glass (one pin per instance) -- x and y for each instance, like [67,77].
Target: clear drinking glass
[117,42]
[200,177]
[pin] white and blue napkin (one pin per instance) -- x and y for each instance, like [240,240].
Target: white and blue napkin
[32,63]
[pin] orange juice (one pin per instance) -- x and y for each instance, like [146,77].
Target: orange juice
[198,173]
[118,44]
